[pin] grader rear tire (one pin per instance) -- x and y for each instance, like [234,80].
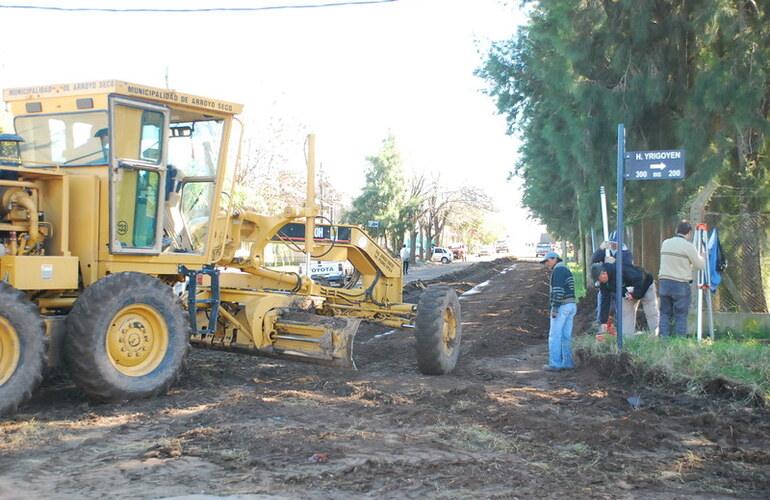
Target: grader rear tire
[438,330]
[127,338]
[22,348]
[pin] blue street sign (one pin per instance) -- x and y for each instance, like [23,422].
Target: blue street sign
[654,165]
[374,223]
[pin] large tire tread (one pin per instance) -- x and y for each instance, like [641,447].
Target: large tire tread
[87,325]
[25,318]
[432,359]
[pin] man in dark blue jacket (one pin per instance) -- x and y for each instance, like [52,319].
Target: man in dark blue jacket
[607,252]
[638,286]
[562,309]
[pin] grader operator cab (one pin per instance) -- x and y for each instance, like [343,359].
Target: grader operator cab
[114,195]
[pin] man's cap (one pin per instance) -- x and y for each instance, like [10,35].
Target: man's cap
[550,255]
[614,236]
[596,270]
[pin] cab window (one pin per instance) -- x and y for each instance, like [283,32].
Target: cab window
[67,139]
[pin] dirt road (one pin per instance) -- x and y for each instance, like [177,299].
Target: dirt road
[498,427]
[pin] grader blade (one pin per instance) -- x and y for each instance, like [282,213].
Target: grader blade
[327,340]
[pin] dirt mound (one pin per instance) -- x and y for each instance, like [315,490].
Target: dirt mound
[585,319]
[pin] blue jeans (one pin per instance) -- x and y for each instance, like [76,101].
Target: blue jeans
[560,337]
[674,302]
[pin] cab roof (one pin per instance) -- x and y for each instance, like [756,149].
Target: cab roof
[32,99]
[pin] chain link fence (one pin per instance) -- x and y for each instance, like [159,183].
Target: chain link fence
[741,218]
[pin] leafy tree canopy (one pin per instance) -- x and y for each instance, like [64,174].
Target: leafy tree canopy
[384,195]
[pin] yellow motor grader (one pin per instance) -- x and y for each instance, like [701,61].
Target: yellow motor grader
[120,247]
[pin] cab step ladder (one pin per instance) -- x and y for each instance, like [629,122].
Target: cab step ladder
[194,303]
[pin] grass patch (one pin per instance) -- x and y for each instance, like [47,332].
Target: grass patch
[580,284]
[475,438]
[17,435]
[462,405]
[695,365]
[752,331]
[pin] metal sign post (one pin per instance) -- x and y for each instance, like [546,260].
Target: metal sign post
[605,224]
[700,240]
[619,254]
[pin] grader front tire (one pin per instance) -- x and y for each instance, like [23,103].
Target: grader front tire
[127,338]
[22,348]
[438,331]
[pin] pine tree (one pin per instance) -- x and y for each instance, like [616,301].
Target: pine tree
[727,123]
[383,196]
[689,74]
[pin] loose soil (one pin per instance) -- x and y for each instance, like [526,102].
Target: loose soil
[497,427]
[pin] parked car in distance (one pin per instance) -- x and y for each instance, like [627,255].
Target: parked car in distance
[332,272]
[485,251]
[541,249]
[501,246]
[443,255]
[458,251]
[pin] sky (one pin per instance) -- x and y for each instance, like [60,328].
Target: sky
[350,74]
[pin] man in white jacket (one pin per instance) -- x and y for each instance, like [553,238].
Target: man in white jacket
[405,258]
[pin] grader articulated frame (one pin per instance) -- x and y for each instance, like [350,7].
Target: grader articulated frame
[119,248]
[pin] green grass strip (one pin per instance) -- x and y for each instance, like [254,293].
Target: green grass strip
[694,364]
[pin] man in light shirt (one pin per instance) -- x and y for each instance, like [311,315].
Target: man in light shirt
[405,258]
[678,258]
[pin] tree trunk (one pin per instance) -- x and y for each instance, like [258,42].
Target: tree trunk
[588,251]
[413,245]
[649,245]
[750,229]
[424,241]
[428,247]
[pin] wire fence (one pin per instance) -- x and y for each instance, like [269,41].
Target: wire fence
[745,285]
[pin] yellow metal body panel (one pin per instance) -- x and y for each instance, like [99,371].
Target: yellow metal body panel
[84,220]
[40,272]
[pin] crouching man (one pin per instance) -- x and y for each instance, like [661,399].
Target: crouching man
[638,286]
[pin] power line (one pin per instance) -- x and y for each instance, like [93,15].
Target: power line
[207,9]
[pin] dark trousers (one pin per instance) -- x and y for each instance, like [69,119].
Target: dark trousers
[406,266]
[674,305]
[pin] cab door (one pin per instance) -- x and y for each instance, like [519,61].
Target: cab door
[138,144]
